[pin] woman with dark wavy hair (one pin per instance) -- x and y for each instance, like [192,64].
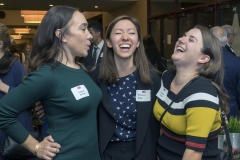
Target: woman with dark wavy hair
[191,96]
[63,87]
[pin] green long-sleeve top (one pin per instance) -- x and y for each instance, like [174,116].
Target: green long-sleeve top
[71,113]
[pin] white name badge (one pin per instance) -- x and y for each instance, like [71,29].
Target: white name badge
[101,54]
[162,93]
[80,92]
[143,95]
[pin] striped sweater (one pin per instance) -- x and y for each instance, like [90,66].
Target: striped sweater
[193,120]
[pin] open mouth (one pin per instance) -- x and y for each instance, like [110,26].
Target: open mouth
[180,49]
[125,46]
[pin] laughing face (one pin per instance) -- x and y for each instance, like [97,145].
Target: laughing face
[123,39]
[188,49]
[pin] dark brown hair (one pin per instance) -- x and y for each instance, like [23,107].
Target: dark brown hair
[213,70]
[46,45]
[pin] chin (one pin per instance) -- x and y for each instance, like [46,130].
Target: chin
[173,55]
[84,54]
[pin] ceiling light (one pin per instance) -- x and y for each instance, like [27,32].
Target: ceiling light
[1,4]
[21,30]
[16,36]
[50,5]
[32,16]
[95,6]
[31,12]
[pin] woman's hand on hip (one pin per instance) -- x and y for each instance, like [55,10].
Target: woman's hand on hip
[48,149]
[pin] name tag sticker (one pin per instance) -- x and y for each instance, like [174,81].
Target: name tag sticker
[143,95]
[162,93]
[101,54]
[80,92]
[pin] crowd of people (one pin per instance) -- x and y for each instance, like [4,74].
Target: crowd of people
[106,99]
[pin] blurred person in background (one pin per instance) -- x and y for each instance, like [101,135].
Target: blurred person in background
[153,54]
[12,73]
[14,49]
[231,73]
[230,38]
[95,52]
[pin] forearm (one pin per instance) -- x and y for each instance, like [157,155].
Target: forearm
[30,144]
[192,155]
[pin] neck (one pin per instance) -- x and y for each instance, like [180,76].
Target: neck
[183,78]
[98,41]
[68,60]
[125,67]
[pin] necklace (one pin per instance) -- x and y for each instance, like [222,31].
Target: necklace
[177,83]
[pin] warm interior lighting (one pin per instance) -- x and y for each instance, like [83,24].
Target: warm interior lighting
[21,30]
[95,6]
[50,5]
[16,36]
[32,16]
[1,4]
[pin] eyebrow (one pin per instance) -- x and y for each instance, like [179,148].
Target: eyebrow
[123,29]
[83,24]
[193,37]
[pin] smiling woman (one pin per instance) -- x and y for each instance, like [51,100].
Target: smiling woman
[190,98]
[124,40]
[127,128]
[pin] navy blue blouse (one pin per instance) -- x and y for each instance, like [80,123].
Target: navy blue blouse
[123,98]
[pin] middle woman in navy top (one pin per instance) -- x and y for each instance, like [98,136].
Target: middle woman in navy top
[129,83]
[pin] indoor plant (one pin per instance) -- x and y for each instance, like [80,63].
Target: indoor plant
[234,131]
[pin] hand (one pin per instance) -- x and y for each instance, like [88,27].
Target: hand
[39,109]
[48,149]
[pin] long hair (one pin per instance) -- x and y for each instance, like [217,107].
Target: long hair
[4,37]
[108,69]
[46,45]
[213,70]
